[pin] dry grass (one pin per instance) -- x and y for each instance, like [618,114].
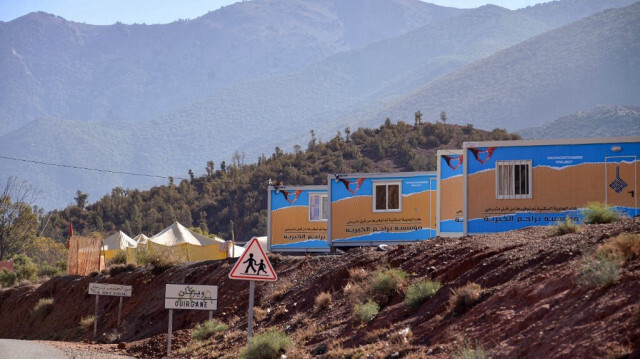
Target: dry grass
[208,329]
[274,257]
[600,269]
[565,227]
[354,292]
[86,323]
[402,336]
[464,298]
[625,246]
[467,349]
[358,274]
[43,307]
[386,283]
[280,312]
[280,290]
[259,314]
[323,301]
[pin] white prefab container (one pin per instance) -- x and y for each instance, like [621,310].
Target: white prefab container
[381,208]
[297,219]
[515,184]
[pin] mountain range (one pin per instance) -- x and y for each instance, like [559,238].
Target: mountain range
[163,99]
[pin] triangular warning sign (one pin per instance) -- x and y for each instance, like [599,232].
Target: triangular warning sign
[253,264]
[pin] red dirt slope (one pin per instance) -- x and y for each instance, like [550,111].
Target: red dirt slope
[531,305]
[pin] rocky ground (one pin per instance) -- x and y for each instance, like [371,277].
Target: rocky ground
[531,304]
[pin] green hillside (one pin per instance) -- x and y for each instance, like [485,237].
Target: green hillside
[237,191]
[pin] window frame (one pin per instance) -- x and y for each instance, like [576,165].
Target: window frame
[386,183]
[324,201]
[528,183]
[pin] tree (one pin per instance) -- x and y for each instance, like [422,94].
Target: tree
[210,168]
[81,199]
[443,118]
[18,221]
[418,118]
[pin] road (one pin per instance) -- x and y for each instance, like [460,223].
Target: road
[26,349]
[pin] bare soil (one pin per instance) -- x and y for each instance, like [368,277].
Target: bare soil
[531,305]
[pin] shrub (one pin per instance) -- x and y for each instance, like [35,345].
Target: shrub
[43,307]
[24,267]
[86,323]
[626,246]
[387,282]
[402,336]
[208,329]
[160,258]
[120,257]
[464,298]
[274,257]
[601,269]
[358,274]
[323,300]
[566,226]
[24,270]
[7,279]
[469,350]
[598,212]
[120,268]
[268,345]
[365,312]
[354,292]
[46,270]
[418,293]
[259,314]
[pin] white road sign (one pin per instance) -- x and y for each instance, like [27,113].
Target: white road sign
[190,296]
[253,264]
[114,290]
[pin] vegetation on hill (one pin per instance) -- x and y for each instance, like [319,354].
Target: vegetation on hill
[236,192]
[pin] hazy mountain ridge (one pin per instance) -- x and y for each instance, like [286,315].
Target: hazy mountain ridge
[559,13]
[131,72]
[602,121]
[562,71]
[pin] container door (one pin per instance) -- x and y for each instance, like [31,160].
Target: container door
[621,184]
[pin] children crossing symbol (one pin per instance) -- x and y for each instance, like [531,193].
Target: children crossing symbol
[253,264]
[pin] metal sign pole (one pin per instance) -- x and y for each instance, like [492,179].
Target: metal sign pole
[170,324]
[95,318]
[210,314]
[119,311]
[252,287]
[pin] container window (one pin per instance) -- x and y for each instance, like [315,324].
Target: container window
[318,207]
[387,197]
[513,179]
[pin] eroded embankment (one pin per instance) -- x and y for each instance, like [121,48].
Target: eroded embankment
[531,305]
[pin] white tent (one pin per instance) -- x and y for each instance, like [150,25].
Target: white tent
[115,242]
[183,243]
[140,239]
[177,234]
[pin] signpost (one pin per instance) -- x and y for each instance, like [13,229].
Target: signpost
[189,296]
[253,265]
[113,290]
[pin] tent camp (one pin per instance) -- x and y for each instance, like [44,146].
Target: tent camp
[140,239]
[187,244]
[115,242]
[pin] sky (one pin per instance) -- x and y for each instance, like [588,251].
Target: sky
[107,12]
